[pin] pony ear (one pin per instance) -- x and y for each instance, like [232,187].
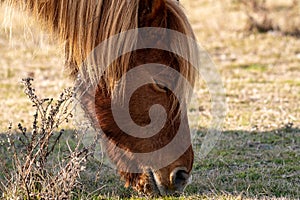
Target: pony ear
[152,13]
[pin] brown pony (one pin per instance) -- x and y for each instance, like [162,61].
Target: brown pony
[84,24]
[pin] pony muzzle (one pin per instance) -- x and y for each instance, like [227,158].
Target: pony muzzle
[178,180]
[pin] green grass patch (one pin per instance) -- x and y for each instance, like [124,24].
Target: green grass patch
[254,67]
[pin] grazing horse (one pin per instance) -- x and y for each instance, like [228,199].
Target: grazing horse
[84,24]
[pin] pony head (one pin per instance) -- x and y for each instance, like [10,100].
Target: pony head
[152,163]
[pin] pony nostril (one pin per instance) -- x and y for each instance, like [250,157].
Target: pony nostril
[180,179]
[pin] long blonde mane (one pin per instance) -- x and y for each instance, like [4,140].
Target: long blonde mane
[83,24]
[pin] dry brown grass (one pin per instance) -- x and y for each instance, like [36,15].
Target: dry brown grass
[260,71]
[26,52]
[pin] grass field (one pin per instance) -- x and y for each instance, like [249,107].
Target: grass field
[258,154]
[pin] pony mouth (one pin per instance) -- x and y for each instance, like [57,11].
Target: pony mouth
[158,189]
[155,187]
[153,184]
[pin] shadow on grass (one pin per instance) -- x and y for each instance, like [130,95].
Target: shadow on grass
[255,164]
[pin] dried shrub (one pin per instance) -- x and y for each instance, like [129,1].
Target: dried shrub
[264,16]
[37,174]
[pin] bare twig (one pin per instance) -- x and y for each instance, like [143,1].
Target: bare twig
[34,176]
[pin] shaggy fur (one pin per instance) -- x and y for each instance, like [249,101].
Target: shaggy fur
[82,25]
